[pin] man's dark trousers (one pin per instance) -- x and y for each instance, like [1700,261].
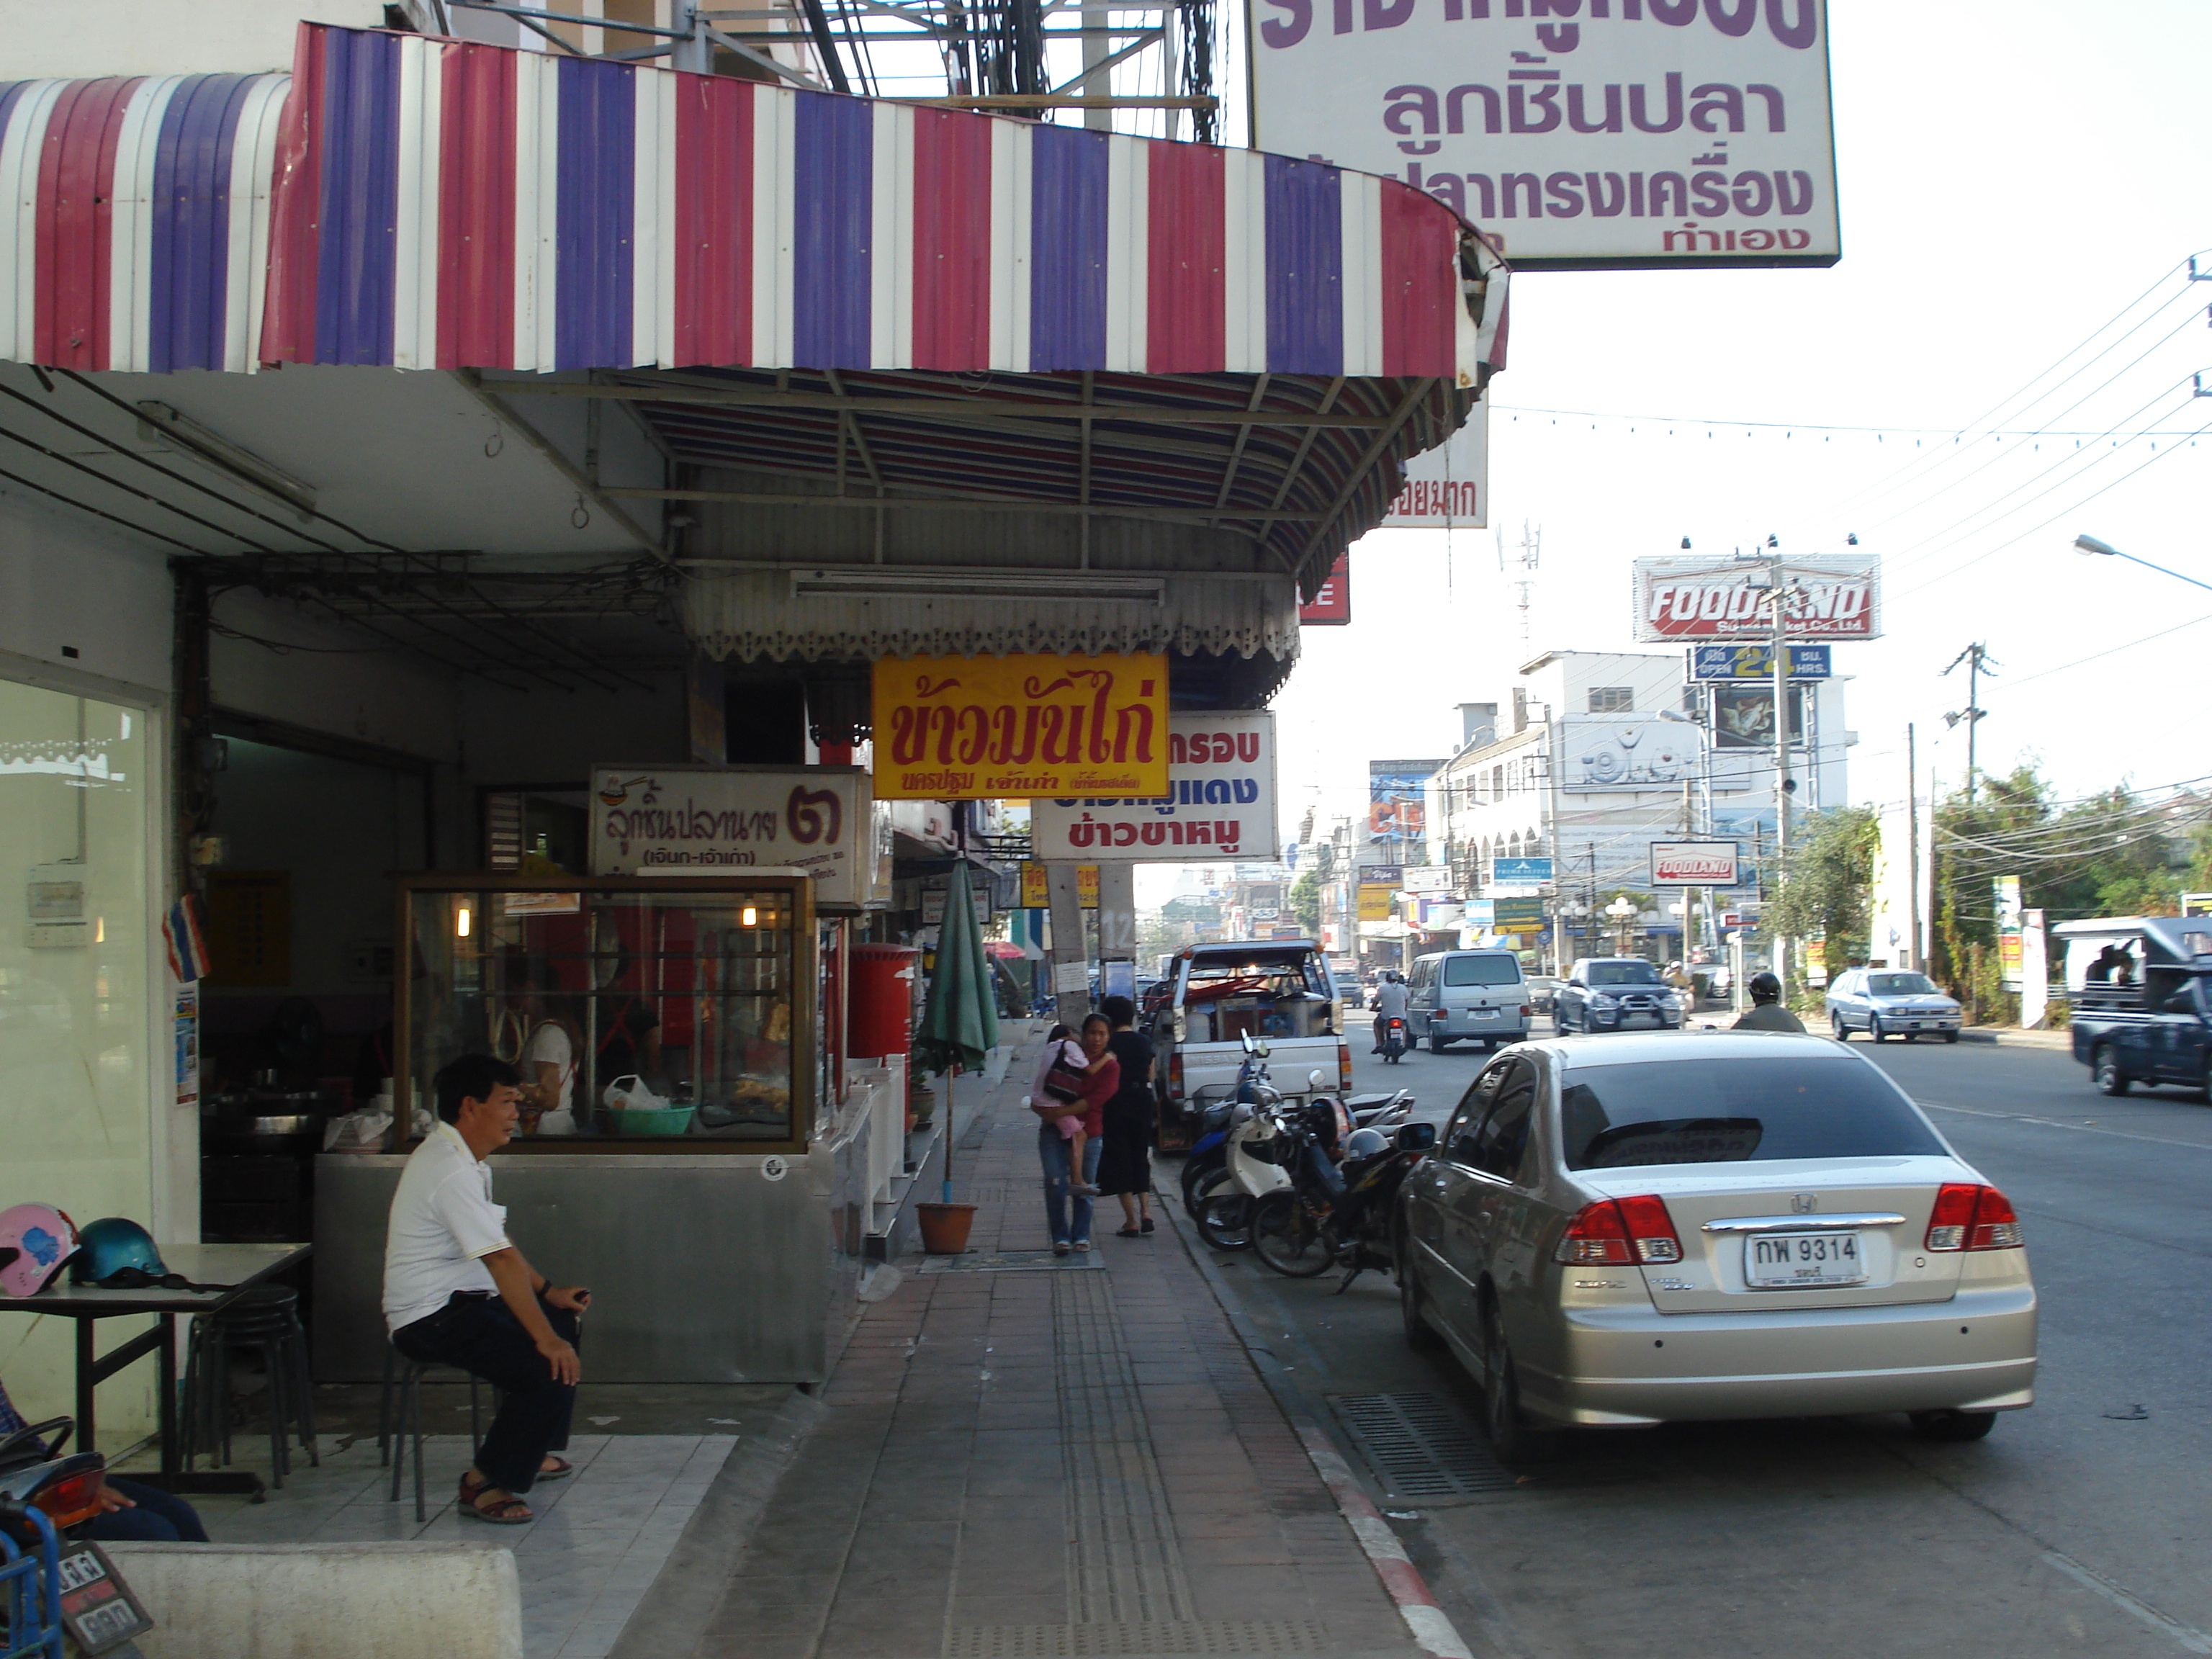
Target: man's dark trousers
[480,1335]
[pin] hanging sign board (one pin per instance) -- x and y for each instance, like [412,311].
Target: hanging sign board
[718,820]
[1693,863]
[1832,597]
[1332,605]
[1219,801]
[1520,872]
[1427,877]
[1640,133]
[991,728]
[1036,893]
[1756,662]
[1448,488]
[1374,899]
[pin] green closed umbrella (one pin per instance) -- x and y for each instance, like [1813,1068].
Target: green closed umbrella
[959,1023]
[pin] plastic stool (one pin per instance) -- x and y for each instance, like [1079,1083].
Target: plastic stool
[399,1415]
[265,1317]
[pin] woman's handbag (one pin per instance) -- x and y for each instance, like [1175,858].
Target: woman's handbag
[1062,1081]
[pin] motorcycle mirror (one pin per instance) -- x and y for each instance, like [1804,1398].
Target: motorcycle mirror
[1315,1080]
[1245,1037]
[1260,1049]
[1416,1137]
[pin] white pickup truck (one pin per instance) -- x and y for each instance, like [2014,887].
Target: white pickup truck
[1217,994]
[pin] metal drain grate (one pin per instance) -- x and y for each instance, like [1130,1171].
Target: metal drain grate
[1116,1641]
[1418,1446]
[1006,1261]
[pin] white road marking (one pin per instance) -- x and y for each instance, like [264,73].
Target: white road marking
[2061,1123]
[2190,1641]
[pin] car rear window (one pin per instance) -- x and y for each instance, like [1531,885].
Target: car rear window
[1718,1111]
[1481,970]
[1623,973]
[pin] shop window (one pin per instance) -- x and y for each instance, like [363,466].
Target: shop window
[1612,699]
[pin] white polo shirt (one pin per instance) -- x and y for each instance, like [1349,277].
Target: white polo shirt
[442,1224]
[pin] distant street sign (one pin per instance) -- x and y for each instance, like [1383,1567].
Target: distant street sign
[1756,662]
[1520,872]
[1516,915]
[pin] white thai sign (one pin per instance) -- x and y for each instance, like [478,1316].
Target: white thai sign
[1575,133]
[716,820]
[1448,488]
[1220,802]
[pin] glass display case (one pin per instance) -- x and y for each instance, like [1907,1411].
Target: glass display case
[645,1014]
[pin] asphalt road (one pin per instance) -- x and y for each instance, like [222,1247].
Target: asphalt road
[2081,1526]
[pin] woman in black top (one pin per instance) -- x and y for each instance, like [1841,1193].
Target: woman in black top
[1124,1162]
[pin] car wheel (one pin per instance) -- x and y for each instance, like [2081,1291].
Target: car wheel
[1950,1036]
[1874,1028]
[2105,1067]
[1953,1425]
[1843,1031]
[1420,1336]
[1503,1419]
[1439,1044]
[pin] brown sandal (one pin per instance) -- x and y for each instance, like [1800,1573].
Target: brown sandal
[508,1511]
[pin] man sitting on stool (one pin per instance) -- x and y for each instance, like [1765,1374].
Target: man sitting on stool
[458,1292]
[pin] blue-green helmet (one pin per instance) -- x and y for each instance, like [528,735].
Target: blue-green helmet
[109,1245]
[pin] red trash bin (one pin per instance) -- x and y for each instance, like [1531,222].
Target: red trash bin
[881,1001]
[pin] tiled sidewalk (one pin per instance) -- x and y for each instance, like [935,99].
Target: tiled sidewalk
[1072,1459]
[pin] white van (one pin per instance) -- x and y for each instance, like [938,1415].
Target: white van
[1478,996]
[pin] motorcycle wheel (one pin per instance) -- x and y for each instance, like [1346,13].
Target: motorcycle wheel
[1195,1170]
[1291,1237]
[1222,1214]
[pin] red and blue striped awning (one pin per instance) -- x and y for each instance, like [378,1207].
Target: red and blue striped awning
[433,203]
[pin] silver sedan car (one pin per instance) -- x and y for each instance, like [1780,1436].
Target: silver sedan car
[1885,1002]
[1714,1224]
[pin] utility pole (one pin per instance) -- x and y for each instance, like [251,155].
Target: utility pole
[1919,963]
[1979,662]
[1784,785]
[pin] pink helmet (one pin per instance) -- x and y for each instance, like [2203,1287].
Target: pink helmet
[35,1240]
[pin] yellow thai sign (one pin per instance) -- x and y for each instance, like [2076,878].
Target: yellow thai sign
[1375,897]
[988,728]
[1036,894]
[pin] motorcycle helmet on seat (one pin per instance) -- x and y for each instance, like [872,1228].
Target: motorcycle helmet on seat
[1366,1143]
[35,1241]
[113,1245]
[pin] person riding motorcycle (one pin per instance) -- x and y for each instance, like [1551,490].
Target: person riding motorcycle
[1391,1000]
[1766,1013]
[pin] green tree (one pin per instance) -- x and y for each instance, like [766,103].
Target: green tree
[1825,888]
[1305,902]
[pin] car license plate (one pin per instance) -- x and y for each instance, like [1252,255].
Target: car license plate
[1486,1013]
[1783,1261]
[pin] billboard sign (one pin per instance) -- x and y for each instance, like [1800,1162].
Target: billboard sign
[1648,134]
[1694,863]
[1756,662]
[1427,877]
[1396,798]
[2005,891]
[1219,802]
[1832,597]
[1609,752]
[995,728]
[1520,872]
[1332,606]
[1743,716]
[1516,915]
[1448,488]
[718,820]
[1374,899]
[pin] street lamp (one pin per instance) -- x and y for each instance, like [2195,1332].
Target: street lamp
[1620,910]
[2091,544]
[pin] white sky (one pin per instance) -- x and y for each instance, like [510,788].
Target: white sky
[2013,176]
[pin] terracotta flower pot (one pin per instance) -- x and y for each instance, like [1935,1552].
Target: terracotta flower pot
[944,1227]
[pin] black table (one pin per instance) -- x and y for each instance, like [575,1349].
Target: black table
[235,1267]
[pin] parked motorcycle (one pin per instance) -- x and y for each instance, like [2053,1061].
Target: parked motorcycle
[1318,1222]
[1212,1108]
[51,1584]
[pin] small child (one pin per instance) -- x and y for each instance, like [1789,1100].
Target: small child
[1061,1049]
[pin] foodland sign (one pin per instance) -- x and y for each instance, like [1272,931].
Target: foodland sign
[1693,863]
[1219,801]
[1836,598]
[1626,133]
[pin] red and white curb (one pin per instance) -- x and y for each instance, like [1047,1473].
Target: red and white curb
[1432,1629]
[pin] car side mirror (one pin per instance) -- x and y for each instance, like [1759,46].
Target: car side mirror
[1416,1137]
[1578,984]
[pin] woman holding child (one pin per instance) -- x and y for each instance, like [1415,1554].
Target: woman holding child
[1075,1077]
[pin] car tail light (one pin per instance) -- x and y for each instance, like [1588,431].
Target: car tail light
[73,1499]
[1527,1007]
[1624,1232]
[1175,1076]
[1970,1217]
[1344,1067]
[1995,1227]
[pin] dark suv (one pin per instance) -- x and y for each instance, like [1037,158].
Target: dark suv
[1616,994]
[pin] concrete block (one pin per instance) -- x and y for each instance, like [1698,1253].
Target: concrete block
[383,1601]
